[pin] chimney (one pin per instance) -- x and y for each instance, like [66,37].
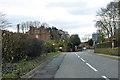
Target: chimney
[18,28]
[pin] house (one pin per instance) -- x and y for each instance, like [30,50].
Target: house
[85,44]
[41,33]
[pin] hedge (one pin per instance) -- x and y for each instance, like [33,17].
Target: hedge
[107,45]
[17,46]
[109,51]
[104,45]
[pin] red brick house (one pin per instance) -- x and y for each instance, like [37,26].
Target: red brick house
[85,44]
[41,33]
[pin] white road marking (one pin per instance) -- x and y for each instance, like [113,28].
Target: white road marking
[82,59]
[76,54]
[91,67]
[105,78]
[86,63]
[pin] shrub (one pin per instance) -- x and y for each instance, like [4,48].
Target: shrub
[34,47]
[49,45]
[13,46]
[17,46]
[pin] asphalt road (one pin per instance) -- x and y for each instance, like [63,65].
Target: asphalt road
[87,65]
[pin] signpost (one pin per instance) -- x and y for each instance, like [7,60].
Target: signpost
[94,38]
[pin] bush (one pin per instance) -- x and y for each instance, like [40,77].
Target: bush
[49,45]
[13,46]
[34,47]
[17,46]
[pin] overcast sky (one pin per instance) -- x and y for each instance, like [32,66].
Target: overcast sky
[74,16]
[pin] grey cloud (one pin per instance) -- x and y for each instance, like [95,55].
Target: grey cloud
[68,24]
[13,4]
[75,8]
[66,4]
[17,19]
[83,11]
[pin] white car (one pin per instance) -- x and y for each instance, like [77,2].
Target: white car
[84,48]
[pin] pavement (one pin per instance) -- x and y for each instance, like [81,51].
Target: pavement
[83,65]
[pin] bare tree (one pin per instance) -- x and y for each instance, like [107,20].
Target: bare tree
[3,22]
[107,21]
[44,24]
[86,37]
[25,26]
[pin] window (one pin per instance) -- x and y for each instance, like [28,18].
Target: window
[36,31]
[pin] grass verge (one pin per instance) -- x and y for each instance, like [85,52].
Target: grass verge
[15,70]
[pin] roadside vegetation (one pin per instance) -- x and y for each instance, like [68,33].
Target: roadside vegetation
[17,69]
[22,53]
[108,29]
[107,23]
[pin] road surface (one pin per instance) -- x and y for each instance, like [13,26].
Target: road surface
[83,65]
[87,65]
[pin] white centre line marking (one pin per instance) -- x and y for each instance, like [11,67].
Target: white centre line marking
[91,67]
[78,56]
[82,59]
[105,78]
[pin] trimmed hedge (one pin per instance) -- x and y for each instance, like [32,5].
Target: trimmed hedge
[17,46]
[104,45]
[106,48]
[116,44]
[108,51]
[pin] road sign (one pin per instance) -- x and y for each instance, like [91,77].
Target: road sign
[94,37]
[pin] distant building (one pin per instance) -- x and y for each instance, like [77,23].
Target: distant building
[41,33]
[85,44]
